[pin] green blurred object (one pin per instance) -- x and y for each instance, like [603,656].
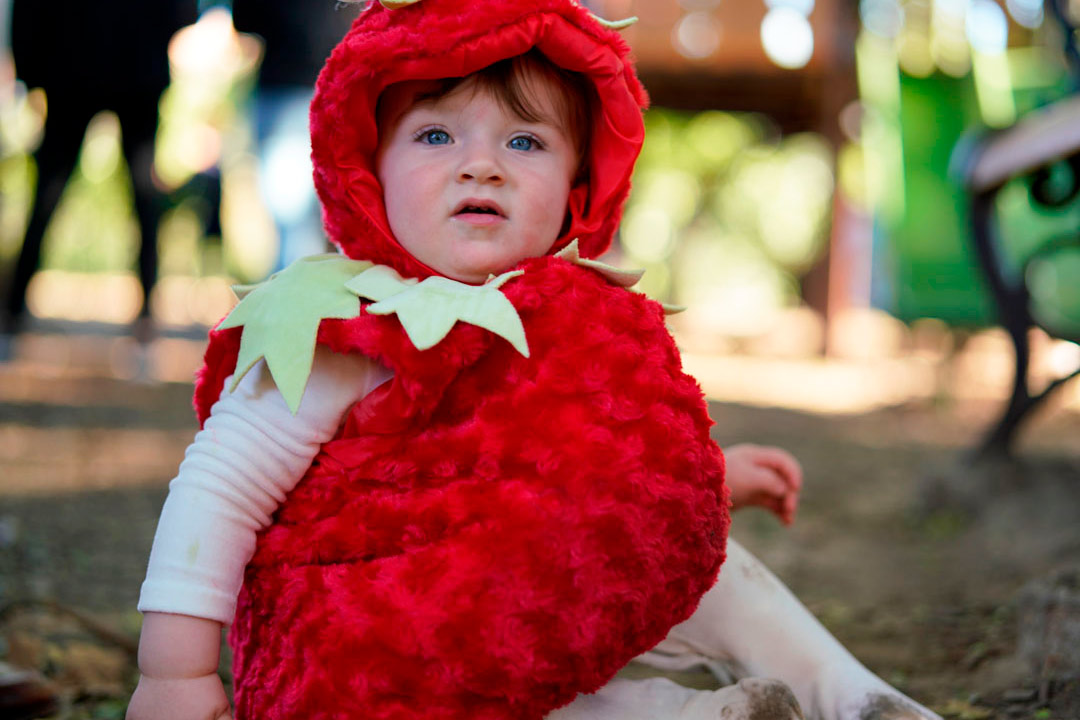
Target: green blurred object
[925,261]
[931,261]
[982,214]
[727,215]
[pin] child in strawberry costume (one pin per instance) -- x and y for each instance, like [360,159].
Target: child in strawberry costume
[460,463]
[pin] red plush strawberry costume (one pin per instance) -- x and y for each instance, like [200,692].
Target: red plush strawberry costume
[489,534]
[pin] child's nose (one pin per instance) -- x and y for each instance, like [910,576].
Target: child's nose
[480,165]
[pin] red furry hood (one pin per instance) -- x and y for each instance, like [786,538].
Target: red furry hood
[436,39]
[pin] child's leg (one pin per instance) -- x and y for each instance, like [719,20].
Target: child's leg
[752,621]
[661,699]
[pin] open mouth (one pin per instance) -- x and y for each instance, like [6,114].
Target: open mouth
[479,207]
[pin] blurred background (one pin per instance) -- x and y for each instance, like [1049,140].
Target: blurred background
[797,191]
[810,189]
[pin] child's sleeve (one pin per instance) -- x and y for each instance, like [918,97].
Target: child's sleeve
[249,454]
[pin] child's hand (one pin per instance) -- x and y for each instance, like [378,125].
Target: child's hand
[198,698]
[768,477]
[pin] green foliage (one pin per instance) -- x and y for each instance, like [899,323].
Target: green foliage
[726,213]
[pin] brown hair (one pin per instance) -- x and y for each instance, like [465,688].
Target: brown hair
[509,82]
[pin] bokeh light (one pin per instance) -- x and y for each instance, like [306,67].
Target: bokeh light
[781,196]
[884,18]
[648,233]
[787,37]
[913,47]
[987,27]
[730,286]
[288,162]
[792,224]
[697,35]
[948,38]
[717,138]
[803,7]
[100,155]
[1028,13]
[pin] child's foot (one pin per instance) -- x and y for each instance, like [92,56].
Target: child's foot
[854,693]
[887,706]
[748,699]
[661,699]
[880,706]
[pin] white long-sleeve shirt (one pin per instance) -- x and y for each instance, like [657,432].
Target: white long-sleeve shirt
[250,453]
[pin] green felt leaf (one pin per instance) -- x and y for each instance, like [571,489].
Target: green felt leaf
[281,318]
[614,275]
[378,283]
[429,310]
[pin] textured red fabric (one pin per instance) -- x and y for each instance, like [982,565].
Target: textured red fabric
[490,534]
[452,38]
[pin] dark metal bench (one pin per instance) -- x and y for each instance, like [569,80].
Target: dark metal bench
[1029,150]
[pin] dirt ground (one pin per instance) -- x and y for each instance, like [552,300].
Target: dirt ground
[912,555]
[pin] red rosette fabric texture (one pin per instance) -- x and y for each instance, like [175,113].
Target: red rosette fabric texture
[489,534]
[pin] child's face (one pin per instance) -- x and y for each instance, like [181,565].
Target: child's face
[471,189]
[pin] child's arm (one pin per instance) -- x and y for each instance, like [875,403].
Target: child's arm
[768,477]
[178,659]
[248,456]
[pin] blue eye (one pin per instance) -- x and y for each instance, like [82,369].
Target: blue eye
[524,142]
[435,137]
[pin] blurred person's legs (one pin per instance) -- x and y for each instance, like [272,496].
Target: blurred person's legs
[285,173]
[65,126]
[751,624]
[202,192]
[138,114]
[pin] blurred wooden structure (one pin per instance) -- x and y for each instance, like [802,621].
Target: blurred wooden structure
[739,77]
